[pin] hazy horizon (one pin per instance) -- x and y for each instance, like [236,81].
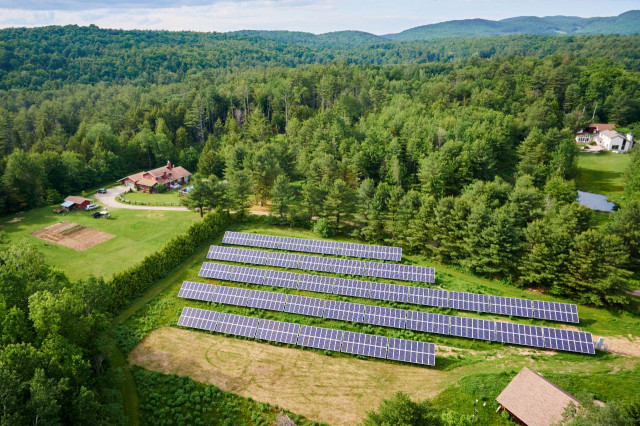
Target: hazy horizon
[314,16]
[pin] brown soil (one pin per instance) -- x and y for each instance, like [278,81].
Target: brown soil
[332,390]
[76,237]
[15,220]
[621,345]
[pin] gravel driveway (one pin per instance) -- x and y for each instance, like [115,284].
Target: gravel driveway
[109,200]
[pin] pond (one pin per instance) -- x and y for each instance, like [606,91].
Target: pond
[596,202]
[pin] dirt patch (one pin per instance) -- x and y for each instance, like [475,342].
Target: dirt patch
[333,390]
[76,237]
[627,346]
[15,220]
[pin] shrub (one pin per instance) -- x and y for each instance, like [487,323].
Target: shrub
[323,228]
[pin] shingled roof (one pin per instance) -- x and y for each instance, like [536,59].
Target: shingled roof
[534,400]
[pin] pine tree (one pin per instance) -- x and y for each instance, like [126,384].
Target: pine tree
[281,195]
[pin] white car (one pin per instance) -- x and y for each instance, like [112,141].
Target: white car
[91,207]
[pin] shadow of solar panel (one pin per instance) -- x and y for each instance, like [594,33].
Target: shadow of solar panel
[247,275]
[393,292]
[364,344]
[266,300]
[217,271]
[278,331]
[303,305]
[315,283]
[353,288]
[231,296]
[519,334]
[411,351]
[428,322]
[198,318]
[281,279]
[386,317]
[320,338]
[343,311]
[197,291]
[238,325]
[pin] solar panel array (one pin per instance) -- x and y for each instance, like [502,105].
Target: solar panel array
[395,293]
[472,328]
[314,337]
[336,265]
[313,246]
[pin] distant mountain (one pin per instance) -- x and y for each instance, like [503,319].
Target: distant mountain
[343,39]
[625,23]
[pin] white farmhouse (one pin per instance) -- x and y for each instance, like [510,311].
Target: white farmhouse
[614,141]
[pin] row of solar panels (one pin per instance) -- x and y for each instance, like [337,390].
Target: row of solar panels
[392,292]
[323,264]
[528,335]
[313,246]
[313,337]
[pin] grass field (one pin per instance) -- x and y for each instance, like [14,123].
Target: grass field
[603,173]
[137,234]
[163,197]
[454,381]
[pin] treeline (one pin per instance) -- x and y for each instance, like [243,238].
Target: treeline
[53,352]
[47,58]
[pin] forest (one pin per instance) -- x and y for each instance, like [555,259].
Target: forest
[462,151]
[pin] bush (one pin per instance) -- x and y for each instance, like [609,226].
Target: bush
[323,228]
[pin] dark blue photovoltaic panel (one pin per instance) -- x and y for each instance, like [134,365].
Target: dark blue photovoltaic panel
[353,250]
[555,311]
[519,334]
[374,269]
[315,283]
[197,291]
[320,338]
[364,344]
[473,328]
[238,325]
[266,300]
[511,306]
[386,317]
[353,288]
[216,271]
[283,260]
[254,257]
[281,279]
[392,292]
[347,267]
[198,318]
[469,301]
[248,275]
[231,295]
[323,247]
[568,340]
[343,311]
[303,305]
[278,331]
[411,351]
[428,322]
[292,244]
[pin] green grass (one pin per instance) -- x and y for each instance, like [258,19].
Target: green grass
[137,234]
[163,197]
[603,173]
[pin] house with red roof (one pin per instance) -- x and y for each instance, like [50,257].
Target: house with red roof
[152,180]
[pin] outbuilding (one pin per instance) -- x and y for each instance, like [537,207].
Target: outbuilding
[73,202]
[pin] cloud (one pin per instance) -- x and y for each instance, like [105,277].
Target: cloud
[105,4]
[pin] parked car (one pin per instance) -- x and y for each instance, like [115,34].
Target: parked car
[101,215]
[101,191]
[91,207]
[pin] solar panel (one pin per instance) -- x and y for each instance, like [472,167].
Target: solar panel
[266,300]
[472,328]
[353,288]
[247,275]
[386,317]
[348,267]
[238,325]
[283,260]
[198,318]
[393,292]
[511,306]
[217,271]
[303,305]
[320,338]
[323,264]
[281,279]
[428,297]
[568,340]
[364,344]
[278,331]
[197,291]
[227,254]
[292,244]
[469,301]
[353,250]
[231,295]
[411,351]
[555,311]
[519,334]
[254,257]
[229,238]
[315,283]
[374,269]
[428,322]
[344,311]
[323,247]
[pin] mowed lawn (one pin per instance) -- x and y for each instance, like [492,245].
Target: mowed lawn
[603,173]
[163,197]
[138,233]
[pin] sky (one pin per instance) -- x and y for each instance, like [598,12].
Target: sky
[315,16]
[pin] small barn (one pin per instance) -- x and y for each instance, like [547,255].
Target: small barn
[533,400]
[73,202]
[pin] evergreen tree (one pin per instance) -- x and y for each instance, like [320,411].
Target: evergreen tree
[281,195]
